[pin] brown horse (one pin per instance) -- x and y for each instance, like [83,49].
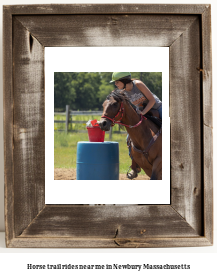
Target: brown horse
[146,136]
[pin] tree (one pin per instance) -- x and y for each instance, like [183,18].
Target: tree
[88,90]
[64,93]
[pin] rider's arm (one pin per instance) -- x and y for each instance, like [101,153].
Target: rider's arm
[148,94]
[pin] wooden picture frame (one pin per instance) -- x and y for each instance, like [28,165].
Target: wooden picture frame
[186,30]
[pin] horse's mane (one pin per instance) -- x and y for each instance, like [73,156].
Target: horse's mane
[118,95]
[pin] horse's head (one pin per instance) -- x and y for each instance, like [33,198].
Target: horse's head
[111,109]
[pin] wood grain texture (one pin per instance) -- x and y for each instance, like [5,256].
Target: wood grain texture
[109,222]
[8,125]
[62,242]
[29,131]
[185,113]
[208,182]
[207,118]
[206,67]
[106,9]
[186,30]
[107,30]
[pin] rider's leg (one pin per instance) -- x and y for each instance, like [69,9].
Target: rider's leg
[160,112]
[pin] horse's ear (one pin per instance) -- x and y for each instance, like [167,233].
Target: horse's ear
[122,92]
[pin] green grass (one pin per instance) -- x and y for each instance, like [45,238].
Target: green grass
[65,145]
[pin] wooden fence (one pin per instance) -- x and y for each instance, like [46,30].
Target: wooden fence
[67,120]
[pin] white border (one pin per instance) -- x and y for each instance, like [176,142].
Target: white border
[105,59]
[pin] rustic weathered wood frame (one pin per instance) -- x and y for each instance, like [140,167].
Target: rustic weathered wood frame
[186,29]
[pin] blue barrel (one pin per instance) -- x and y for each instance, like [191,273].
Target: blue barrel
[97,161]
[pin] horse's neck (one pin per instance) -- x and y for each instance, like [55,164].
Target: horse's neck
[130,116]
[140,135]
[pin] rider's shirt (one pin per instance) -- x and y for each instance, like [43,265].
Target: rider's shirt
[138,98]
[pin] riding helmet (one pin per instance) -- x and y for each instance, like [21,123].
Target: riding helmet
[120,75]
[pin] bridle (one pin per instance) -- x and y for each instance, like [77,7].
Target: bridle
[121,110]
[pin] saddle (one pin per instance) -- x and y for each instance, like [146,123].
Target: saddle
[150,116]
[155,120]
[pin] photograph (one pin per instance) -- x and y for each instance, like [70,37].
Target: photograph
[108,126]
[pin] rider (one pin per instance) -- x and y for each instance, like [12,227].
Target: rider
[139,94]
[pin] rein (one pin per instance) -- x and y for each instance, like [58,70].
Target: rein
[121,110]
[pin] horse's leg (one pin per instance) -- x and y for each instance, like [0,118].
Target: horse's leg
[135,170]
[157,169]
[135,166]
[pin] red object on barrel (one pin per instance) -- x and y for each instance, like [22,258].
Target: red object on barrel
[95,134]
[94,123]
